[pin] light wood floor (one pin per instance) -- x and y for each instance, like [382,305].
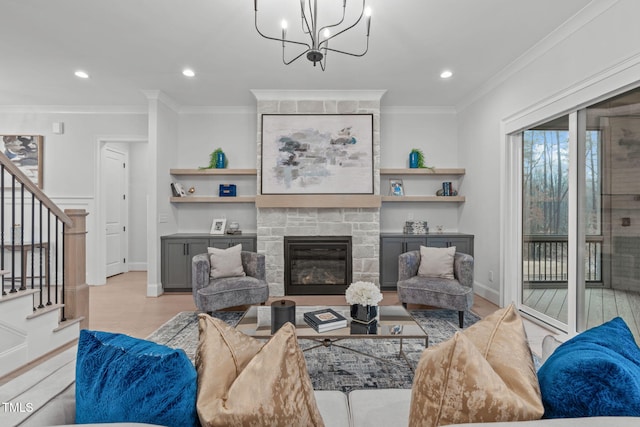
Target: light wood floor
[601,305]
[122,305]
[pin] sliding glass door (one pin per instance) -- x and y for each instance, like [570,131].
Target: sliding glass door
[580,216]
[614,127]
[545,219]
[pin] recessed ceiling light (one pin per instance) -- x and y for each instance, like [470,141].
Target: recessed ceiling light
[81,74]
[446,74]
[188,72]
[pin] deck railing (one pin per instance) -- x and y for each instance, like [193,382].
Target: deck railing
[33,240]
[546,259]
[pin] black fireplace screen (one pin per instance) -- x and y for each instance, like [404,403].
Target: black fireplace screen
[317,265]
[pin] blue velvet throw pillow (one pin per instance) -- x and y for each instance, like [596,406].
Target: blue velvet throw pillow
[596,373]
[125,379]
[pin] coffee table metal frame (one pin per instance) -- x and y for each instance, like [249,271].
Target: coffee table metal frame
[394,322]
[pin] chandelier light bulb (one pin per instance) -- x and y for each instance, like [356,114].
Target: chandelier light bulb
[81,74]
[446,74]
[367,14]
[188,72]
[317,43]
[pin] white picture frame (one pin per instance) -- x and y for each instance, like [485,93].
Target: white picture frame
[396,187]
[218,226]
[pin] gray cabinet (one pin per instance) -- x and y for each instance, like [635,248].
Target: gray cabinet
[392,245]
[177,250]
[462,243]
[248,242]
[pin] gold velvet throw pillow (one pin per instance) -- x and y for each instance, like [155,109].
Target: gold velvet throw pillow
[484,374]
[243,381]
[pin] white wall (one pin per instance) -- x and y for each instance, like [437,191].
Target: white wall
[201,132]
[70,159]
[138,190]
[431,129]
[70,173]
[595,53]
[163,150]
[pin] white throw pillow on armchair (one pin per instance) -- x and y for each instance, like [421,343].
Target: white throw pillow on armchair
[437,262]
[226,262]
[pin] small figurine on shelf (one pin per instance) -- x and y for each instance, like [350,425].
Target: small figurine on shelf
[234,228]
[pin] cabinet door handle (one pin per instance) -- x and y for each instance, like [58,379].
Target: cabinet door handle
[185,249]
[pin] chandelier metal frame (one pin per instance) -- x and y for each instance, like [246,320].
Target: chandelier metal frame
[316,51]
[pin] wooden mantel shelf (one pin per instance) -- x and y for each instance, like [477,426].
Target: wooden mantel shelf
[224,171]
[318,201]
[422,171]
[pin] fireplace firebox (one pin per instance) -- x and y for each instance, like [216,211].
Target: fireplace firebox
[317,265]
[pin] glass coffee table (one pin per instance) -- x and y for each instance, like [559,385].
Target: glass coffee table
[394,322]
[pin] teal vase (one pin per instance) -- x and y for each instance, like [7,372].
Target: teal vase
[220,160]
[413,160]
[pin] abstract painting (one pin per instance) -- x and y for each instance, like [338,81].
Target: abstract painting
[25,151]
[317,154]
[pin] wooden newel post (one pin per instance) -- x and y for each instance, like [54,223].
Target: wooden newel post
[76,290]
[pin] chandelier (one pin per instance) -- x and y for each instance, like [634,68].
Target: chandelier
[317,46]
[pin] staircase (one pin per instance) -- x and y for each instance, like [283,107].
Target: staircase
[44,298]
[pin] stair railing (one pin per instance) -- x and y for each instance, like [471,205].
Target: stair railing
[31,223]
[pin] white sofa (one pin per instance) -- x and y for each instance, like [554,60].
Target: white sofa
[45,396]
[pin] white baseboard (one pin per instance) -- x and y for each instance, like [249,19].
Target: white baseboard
[154,289]
[137,266]
[487,293]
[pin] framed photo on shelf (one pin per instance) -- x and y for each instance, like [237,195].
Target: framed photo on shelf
[396,187]
[218,226]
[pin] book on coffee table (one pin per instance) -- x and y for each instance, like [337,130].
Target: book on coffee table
[325,320]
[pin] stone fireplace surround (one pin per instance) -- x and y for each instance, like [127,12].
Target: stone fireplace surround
[361,223]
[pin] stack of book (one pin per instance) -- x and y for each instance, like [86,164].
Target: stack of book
[325,320]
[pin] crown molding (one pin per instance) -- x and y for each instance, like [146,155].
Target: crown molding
[609,82]
[158,95]
[74,109]
[317,95]
[418,110]
[587,14]
[217,110]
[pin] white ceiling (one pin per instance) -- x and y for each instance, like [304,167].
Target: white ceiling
[133,45]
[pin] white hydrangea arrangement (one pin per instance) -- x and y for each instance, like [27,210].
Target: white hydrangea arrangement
[363,293]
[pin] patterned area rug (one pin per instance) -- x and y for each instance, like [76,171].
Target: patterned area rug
[335,368]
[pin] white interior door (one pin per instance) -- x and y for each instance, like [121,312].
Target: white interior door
[115,188]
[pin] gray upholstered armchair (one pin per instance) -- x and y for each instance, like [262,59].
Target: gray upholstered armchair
[453,294]
[215,294]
